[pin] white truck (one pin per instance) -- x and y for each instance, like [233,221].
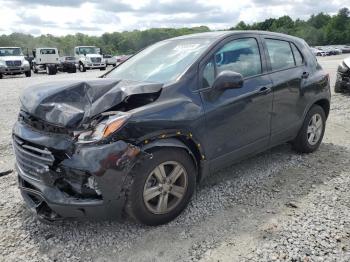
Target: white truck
[12,62]
[46,59]
[89,57]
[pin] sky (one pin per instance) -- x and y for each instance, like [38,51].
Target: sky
[94,17]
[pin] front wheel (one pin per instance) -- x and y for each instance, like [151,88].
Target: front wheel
[82,68]
[162,187]
[311,133]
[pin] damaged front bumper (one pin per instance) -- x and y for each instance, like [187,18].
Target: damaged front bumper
[59,179]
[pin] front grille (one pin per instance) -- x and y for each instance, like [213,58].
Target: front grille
[96,59]
[33,161]
[14,63]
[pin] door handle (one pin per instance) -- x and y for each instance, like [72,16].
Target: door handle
[265,90]
[305,75]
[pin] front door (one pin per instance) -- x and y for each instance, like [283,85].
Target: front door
[237,120]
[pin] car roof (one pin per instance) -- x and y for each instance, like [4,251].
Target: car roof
[223,34]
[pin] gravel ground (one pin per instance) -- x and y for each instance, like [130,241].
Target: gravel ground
[277,206]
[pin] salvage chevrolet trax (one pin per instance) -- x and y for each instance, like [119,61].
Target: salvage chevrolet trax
[136,141]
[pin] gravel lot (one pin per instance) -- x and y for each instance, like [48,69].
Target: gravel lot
[277,206]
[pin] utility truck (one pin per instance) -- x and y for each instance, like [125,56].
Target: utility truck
[46,59]
[89,57]
[12,62]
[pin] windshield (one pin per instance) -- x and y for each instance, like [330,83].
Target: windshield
[10,51]
[162,62]
[87,50]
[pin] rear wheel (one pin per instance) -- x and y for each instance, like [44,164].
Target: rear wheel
[162,187]
[0,76]
[311,133]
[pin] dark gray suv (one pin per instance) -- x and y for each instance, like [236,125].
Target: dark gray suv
[136,141]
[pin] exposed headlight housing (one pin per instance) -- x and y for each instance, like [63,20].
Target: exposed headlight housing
[25,63]
[103,129]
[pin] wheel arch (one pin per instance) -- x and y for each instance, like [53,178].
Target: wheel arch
[325,104]
[187,144]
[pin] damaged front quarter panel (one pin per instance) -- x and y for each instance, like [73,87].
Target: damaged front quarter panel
[109,166]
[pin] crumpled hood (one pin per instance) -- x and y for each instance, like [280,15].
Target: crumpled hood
[11,58]
[73,103]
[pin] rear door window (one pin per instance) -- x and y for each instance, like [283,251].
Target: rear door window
[280,54]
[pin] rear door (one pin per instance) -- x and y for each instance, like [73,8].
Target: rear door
[287,72]
[237,120]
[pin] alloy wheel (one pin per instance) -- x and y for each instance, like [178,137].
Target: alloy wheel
[314,129]
[165,187]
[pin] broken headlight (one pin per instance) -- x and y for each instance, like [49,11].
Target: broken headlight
[103,129]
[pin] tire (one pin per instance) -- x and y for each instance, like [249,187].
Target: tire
[0,76]
[28,73]
[51,70]
[147,212]
[114,65]
[82,68]
[102,68]
[302,143]
[35,70]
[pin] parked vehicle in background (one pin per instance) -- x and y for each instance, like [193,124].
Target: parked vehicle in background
[68,64]
[122,58]
[89,57]
[46,59]
[343,76]
[13,62]
[110,60]
[330,50]
[318,52]
[137,139]
[346,49]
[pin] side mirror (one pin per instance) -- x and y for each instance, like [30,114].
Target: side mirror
[228,80]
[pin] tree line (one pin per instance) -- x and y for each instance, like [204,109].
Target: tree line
[320,29]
